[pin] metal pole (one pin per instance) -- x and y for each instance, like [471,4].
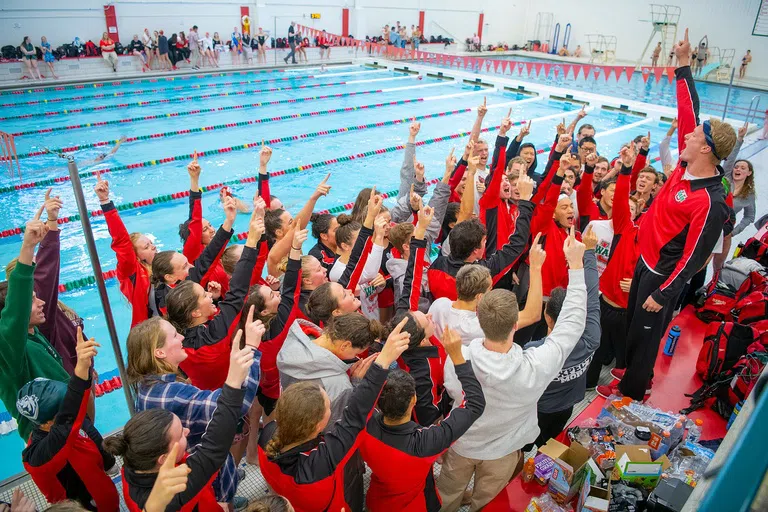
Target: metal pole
[96,265]
[728,94]
[274,37]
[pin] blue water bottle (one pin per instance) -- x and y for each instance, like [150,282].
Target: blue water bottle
[672,337]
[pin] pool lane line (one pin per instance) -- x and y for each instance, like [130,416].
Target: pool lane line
[165,198]
[240,147]
[138,92]
[225,126]
[221,109]
[624,127]
[191,98]
[169,78]
[87,281]
[241,124]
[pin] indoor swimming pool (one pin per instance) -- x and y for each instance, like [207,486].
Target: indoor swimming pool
[351,122]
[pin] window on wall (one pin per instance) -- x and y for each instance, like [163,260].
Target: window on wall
[761,21]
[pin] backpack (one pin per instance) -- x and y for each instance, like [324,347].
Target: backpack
[10,52]
[119,48]
[91,50]
[720,298]
[756,248]
[724,343]
[745,375]
[752,308]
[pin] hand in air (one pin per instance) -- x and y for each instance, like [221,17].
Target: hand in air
[627,155]
[396,344]
[102,189]
[574,251]
[214,289]
[743,130]
[323,188]
[240,362]
[426,215]
[86,351]
[506,124]
[525,131]
[52,205]
[299,237]
[591,159]
[272,282]
[683,48]
[418,168]
[452,344]
[193,167]
[589,238]
[415,200]
[537,254]
[525,185]
[170,481]
[264,154]
[254,330]
[564,142]
[35,230]
[482,109]
[581,114]
[413,130]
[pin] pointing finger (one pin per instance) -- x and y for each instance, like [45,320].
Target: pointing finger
[325,180]
[194,156]
[39,212]
[48,193]
[509,114]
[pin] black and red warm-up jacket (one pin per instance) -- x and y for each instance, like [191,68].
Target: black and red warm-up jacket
[442,273]
[625,250]
[682,227]
[498,216]
[200,268]
[554,273]
[277,330]
[424,363]
[204,464]
[193,247]
[312,475]
[68,462]
[401,457]
[324,255]
[357,259]
[208,345]
[132,275]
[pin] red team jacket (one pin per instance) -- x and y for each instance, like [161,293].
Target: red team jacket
[679,231]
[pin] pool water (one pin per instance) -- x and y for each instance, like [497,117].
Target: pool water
[712,95]
[389,128]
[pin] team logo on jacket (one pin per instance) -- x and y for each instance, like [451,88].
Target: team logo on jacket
[28,406]
[681,196]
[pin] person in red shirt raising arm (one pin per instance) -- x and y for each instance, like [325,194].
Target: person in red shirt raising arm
[679,231]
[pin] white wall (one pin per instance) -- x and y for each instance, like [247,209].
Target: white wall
[727,23]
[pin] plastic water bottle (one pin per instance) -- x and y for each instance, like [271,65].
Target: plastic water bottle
[694,430]
[672,338]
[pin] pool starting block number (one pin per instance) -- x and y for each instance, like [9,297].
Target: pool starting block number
[315,16]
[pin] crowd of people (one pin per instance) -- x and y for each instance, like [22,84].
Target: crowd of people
[366,350]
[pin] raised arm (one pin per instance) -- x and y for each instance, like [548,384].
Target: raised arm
[414,272]
[622,217]
[193,244]
[264,156]
[687,97]
[47,272]
[127,262]
[664,153]
[407,172]
[730,162]
[478,126]
[532,311]
[213,251]
[641,160]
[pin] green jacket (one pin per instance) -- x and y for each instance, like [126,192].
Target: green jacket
[23,356]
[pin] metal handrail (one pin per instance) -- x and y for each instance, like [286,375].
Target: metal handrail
[753,112]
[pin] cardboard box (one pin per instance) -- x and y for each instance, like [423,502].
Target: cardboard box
[569,470]
[634,465]
[594,498]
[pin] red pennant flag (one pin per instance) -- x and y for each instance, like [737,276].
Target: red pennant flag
[578,69]
[529,68]
[671,74]
[489,63]
[566,70]
[546,67]
[629,71]
[607,71]
[657,72]
[537,68]
[646,73]
[499,64]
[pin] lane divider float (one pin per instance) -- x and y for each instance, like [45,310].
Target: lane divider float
[226,126]
[182,98]
[194,112]
[141,92]
[241,147]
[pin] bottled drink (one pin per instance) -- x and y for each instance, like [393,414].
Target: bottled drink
[672,339]
[528,470]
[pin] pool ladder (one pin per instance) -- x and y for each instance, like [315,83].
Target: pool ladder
[753,106]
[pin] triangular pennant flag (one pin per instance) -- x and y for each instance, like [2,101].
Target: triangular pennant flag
[546,67]
[607,71]
[529,68]
[657,72]
[537,67]
[578,68]
[646,72]
[490,63]
[671,74]
[629,70]
[496,65]
[566,69]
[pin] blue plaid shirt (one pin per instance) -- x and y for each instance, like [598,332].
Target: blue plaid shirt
[195,407]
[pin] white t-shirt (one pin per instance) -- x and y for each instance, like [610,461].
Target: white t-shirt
[604,231]
[369,295]
[460,320]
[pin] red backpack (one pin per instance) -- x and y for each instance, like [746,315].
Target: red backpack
[724,344]
[752,308]
[743,378]
[756,248]
[718,302]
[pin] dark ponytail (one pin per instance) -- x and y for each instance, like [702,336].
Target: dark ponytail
[143,440]
[321,223]
[347,228]
[355,328]
[321,304]
[180,302]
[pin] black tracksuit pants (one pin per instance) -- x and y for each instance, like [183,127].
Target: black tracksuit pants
[645,330]
[613,341]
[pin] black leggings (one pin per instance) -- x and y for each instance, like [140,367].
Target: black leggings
[550,426]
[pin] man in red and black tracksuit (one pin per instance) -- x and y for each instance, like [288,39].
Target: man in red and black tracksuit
[400,452]
[678,233]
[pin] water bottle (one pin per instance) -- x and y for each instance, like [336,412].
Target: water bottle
[736,409]
[672,337]
[694,430]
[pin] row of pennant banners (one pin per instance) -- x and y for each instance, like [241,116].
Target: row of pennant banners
[500,66]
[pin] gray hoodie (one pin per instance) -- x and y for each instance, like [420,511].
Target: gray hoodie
[301,360]
[568,387]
